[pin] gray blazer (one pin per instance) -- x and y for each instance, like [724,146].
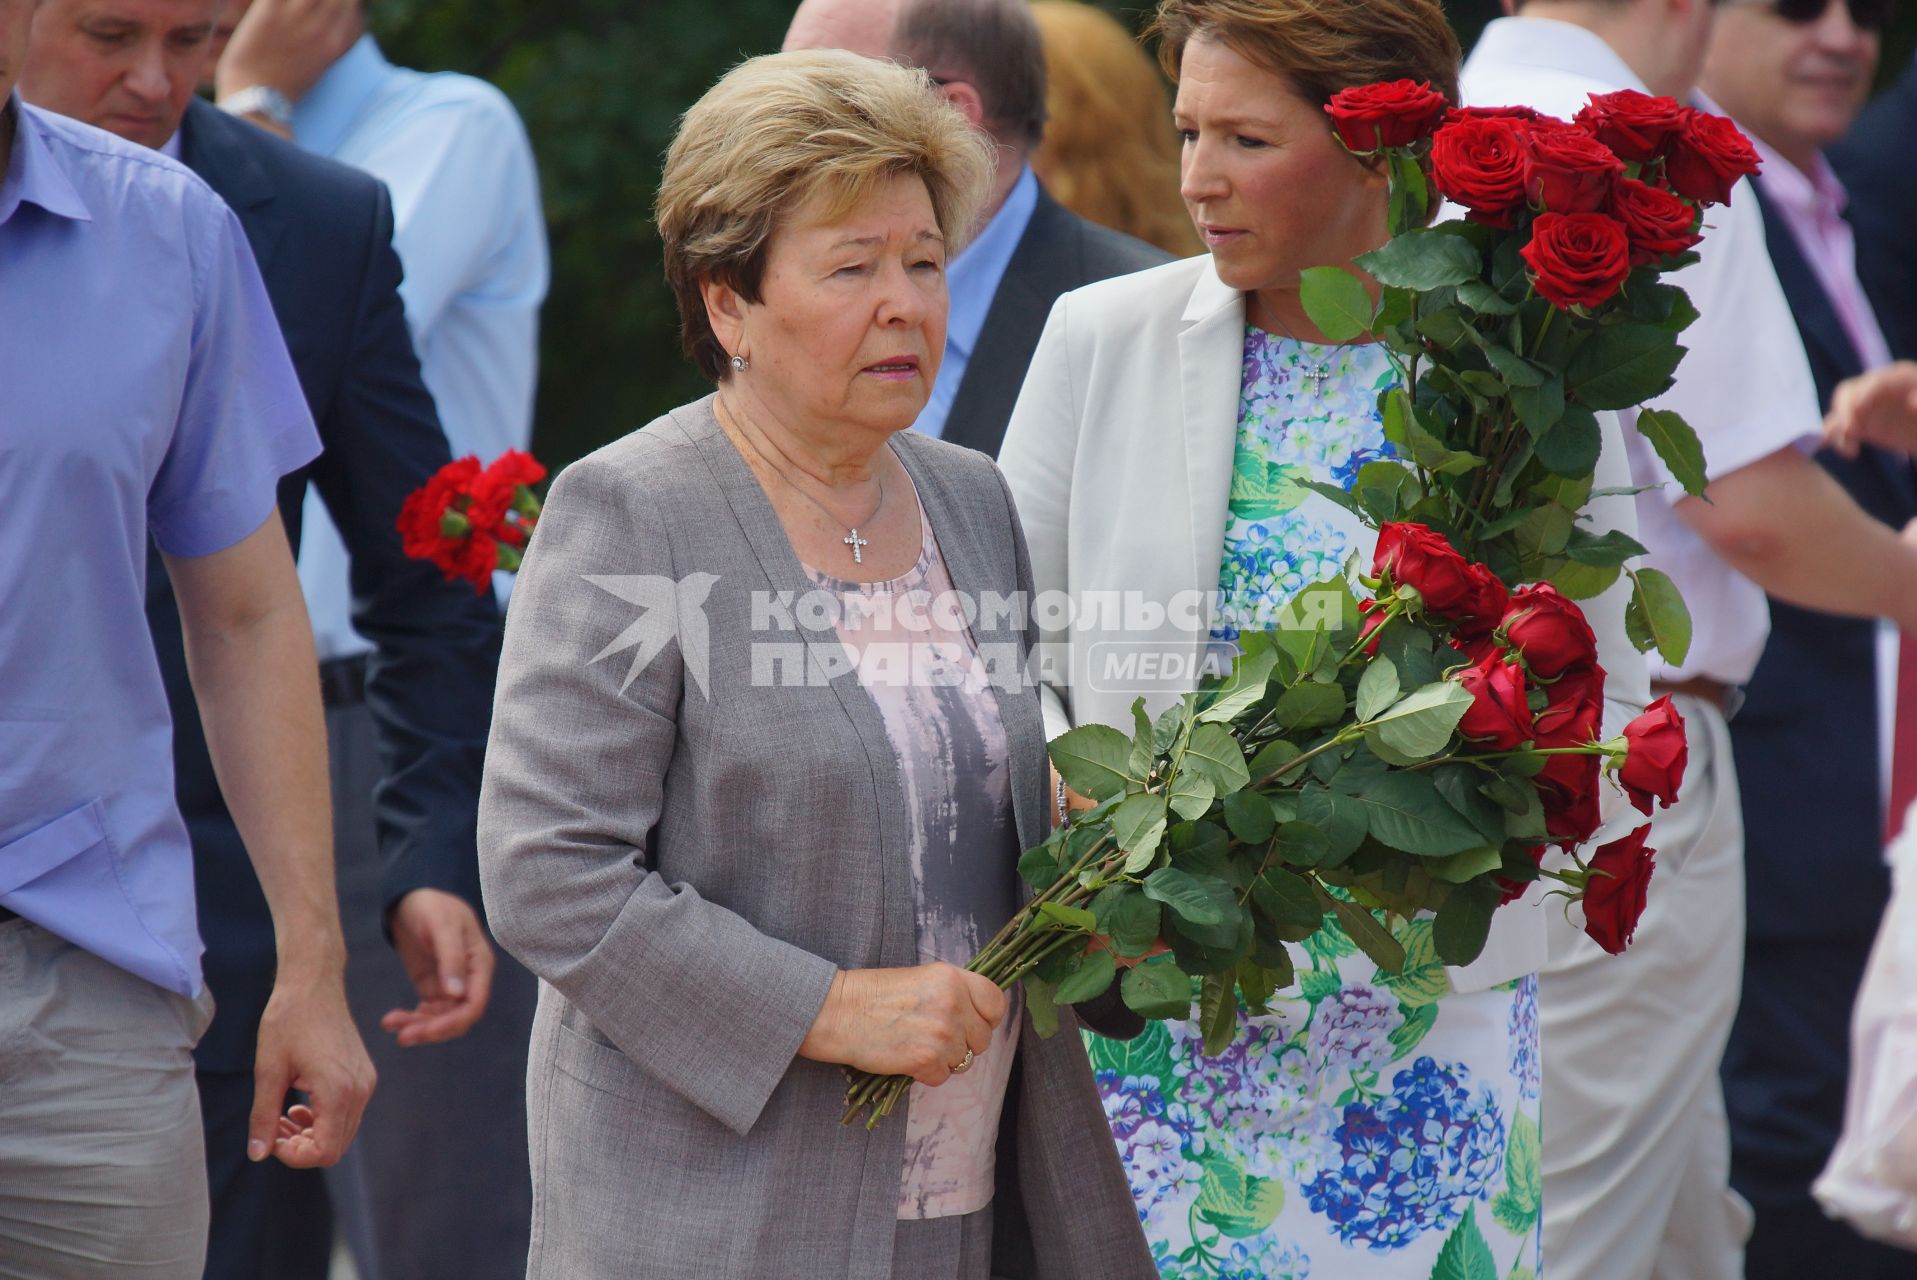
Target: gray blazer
[685,854]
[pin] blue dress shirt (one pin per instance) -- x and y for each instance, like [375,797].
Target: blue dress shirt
[471,234]
[972,282]
[144,389]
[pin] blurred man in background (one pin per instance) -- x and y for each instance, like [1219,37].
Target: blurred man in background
[987,59]
[1818,717]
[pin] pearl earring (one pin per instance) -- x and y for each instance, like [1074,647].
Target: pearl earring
[739,364]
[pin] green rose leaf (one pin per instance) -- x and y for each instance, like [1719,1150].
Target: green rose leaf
[1185,894]
[1603,550]
[1656,616]
[1094,760]
[1468,865]
[1340,820]
[1421,724]
[1582,581]
[1405,811]
[1242,689]
[1169,725]
[1191,795]
[1249,816]
[1038,866]
[1621,366]
[1043,1006]
[1214,754]
[1518,1205]
[1217,1012]
[1272,758]
[1201,848]
[1305,844]
[1311,706]
[1372,938]
[1238,1205]
[1377,687]
[1546,530]
[1157,989]
[1465,1255]
[1514,368]
[1139,824]
[1677,444]
[1286,899]
[1485,300]
[1336,302]
[1069,917]
[1571,448]
[1089,980]
[1463,922]
[1128,918]
[1422,260]
[1257,984]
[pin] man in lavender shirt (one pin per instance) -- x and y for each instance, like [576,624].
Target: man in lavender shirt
[144,391]
[1817,720]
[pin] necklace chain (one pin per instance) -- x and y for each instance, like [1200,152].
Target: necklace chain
[1318,374]
[852,538]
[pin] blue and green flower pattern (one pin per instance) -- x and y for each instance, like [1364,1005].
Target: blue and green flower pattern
[1369,1125]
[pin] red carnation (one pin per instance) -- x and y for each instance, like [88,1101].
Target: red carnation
[1480,162]
[471,522]
[1412,555]
[1706,159]
[1578,259]
[1550,631]
[1658,223]
[1654,766]
[1567,170]
[1499,717]
[1375,117]
[1636,126]
[1615,894]
[503,502]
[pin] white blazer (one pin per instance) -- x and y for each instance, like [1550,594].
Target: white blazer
[1119,455]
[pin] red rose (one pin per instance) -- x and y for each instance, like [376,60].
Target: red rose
[1659,750]
[1567,170]
[1570,788]
[1578,259]
[1634,125]
[1573,710]
[1480,163]
[1475,649]
[1479,613]
[1373,117]
[1707,158]
[1658,223]
[1550,631]
[1499,718]
[1411,555]
[1614,896]
[1456,114]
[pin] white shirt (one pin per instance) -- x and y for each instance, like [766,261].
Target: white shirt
[471,235]
[972,282]
[1745,386]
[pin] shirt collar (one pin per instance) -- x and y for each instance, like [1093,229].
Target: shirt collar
[1817,194]
[327,112]
[171,147]
[1550,45]
[973,278]
[33,176]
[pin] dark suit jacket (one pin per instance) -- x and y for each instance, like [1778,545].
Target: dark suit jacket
[323,236]
[1059,252]
[1806,737]
[1874,163]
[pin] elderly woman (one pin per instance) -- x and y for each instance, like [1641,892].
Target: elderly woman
[756,783]
[1370,1123]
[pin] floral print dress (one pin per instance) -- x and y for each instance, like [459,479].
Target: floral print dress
[1371,1126]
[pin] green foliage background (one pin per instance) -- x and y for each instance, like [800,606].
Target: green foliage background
[600,83]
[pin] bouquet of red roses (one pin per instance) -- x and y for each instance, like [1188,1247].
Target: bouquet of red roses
[473,521]
[1407,743]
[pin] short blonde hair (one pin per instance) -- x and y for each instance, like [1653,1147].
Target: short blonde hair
[778,130]
[1110,153]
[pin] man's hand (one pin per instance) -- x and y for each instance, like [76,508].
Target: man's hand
[308,1042]
[287,45]
[1879,407]
[446,954]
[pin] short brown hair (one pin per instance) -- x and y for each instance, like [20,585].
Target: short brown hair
[780,129]
[1320,46]
[993,45]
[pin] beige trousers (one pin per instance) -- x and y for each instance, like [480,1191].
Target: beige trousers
[102,1162]
[1636,1147]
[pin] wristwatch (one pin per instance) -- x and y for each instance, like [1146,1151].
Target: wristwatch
[259,100]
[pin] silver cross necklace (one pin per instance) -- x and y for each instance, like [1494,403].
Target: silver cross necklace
[851,538]
[1318,374]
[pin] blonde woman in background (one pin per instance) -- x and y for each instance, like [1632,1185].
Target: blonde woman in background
[1110,153]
